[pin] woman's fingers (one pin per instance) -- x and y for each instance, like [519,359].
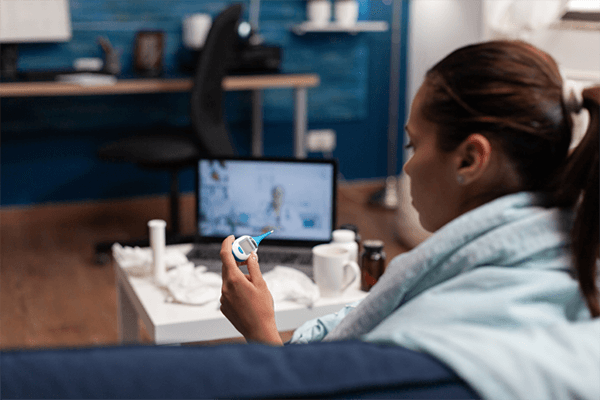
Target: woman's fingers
[245,299]
[254,268]
[230,268]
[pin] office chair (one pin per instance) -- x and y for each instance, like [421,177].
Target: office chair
[208,135]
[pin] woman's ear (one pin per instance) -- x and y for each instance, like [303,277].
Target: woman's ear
[473,157]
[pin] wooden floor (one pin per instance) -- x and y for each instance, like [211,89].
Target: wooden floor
[53,295]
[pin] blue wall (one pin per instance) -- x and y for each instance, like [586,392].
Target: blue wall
[49,144]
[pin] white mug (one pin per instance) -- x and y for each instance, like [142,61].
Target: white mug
[195,30]
[319,12]
[334,272]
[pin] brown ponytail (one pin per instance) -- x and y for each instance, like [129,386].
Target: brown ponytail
[512,93]
[578,183]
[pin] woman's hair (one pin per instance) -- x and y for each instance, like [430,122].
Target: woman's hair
[512,93]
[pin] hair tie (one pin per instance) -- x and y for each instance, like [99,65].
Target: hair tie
[572,93]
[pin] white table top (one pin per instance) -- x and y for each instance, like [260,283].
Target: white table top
[180,323]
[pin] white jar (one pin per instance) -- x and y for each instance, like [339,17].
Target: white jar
[318,12]
[347,239]
[346,12]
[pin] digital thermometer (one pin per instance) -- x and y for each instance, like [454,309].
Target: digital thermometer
[244,245]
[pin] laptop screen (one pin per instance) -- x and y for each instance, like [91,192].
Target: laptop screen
[249,196]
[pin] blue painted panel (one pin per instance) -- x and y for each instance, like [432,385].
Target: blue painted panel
[49,144]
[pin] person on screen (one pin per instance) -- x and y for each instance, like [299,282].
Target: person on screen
[278,215]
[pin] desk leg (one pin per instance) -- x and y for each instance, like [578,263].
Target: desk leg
[127,317]
[257,123]
[300,122]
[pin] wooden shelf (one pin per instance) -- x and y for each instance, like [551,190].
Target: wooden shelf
[360,26]
[576,25]
[133,86]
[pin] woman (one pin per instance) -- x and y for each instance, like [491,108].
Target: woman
[510,274]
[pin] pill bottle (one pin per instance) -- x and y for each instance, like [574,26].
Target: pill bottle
[157,243]
[354,229]
[372,263]
[346,238]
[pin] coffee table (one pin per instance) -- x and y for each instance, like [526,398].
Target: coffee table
[173,323]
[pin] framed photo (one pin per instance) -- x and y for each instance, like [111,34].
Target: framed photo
[148,53]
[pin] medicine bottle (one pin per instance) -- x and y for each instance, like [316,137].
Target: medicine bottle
[372,263]
[354,229]
[346,238]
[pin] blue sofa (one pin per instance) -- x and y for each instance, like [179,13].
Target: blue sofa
[321,370]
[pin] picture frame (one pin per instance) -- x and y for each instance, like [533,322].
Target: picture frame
[148,53]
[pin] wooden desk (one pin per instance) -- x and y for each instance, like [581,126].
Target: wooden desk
[254,83]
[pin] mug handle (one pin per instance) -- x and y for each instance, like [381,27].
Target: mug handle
[352,265]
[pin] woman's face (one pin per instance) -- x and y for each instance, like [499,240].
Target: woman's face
[433,185]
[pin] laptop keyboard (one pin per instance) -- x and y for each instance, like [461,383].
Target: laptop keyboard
[283,257]
[204,252]
[268,257]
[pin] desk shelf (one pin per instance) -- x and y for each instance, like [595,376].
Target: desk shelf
[255,83]
[137,86]
[360,26]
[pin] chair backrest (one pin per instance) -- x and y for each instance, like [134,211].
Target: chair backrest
[207,93]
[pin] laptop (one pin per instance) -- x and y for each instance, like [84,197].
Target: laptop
[296,198]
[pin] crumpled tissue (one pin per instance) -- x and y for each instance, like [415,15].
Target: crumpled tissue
[290,284]
[138,261]
[193,285]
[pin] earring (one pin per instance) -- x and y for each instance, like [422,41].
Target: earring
[460,179]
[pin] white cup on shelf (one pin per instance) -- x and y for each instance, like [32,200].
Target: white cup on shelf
[195,30]
[333,270]
[346,12]
[318,12]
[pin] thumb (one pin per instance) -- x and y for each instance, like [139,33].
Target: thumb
[254,268]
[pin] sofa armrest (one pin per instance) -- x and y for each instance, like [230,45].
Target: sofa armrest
[323,370]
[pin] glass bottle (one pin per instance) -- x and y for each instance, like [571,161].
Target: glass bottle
[372,263]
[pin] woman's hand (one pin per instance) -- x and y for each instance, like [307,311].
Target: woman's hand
[246,300]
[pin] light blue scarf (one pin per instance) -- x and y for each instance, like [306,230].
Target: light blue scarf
[511,232]
[491,294]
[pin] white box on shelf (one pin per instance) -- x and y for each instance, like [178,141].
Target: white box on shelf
[360,26]
[323,140]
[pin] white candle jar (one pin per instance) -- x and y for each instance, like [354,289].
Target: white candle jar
[346,12]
